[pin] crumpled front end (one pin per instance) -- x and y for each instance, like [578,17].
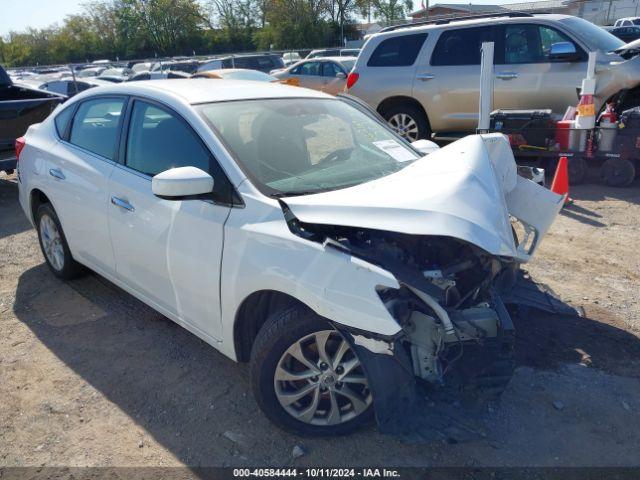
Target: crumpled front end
[455,331]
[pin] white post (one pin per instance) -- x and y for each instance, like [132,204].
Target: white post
[486,87]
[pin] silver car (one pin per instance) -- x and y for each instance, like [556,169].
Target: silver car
[327,74]
[425,78]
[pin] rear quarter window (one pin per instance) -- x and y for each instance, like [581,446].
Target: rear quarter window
[62,120]
[95,126]
[400,51]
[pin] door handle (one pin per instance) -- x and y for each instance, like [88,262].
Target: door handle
[507,75]
[118,202]
[425,76]
[57,173]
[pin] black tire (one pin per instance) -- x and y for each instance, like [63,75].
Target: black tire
[418,116]
[280,331]
[70,269]
[617,172]
[577,168]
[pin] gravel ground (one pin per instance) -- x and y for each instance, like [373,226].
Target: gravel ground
[89,376]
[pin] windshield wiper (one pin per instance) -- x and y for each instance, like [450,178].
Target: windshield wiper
[295,193]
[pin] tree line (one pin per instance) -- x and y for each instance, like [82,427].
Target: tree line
[136,29]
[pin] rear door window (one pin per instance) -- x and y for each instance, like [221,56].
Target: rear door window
[62,121]
[462,46]
[330,69]
[96,124]
[400,51]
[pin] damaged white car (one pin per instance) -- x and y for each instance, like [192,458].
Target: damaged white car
[295,231]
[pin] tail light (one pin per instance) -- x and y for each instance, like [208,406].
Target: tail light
[352,78]
[20,143]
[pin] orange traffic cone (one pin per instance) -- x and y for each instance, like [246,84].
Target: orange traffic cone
[560,183]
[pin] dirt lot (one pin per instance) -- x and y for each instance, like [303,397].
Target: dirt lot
[89,376]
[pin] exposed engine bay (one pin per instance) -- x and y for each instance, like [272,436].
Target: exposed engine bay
[447,299]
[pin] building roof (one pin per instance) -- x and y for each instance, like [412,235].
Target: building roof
[536,5]
[463,7]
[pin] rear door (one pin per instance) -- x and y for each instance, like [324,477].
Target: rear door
[449,86]
[527,78]
[80,168]
[168,251]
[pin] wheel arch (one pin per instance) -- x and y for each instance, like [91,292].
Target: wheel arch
[252,314]
[390,102]
[36,198]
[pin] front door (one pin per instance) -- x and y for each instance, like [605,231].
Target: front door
[528,79]
[333,78]
[167,251]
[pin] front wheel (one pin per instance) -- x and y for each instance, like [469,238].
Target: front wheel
[306,377]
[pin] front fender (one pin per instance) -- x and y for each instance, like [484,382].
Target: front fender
[265,255]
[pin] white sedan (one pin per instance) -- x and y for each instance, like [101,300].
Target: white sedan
[292,230]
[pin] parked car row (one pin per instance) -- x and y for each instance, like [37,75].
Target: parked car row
[20,107]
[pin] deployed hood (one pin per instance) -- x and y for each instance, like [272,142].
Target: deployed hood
[466,190]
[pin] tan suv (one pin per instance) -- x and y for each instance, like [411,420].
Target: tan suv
[424,78]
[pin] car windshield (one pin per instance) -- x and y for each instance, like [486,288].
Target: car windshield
[598,38]
[298,146]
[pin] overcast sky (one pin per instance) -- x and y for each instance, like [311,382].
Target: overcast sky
[20,14]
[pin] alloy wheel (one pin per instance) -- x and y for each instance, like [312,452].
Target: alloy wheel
[320,381]
[52,242]
[404,125]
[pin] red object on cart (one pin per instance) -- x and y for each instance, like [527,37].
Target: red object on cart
[563,129]
[609,115]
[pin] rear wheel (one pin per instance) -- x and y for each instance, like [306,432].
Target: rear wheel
[306,377]
[408,121]
[617,172]
[54,244]
[577,168]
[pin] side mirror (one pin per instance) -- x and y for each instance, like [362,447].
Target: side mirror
[341,75]
[563,52]
[425,146]
[177,183]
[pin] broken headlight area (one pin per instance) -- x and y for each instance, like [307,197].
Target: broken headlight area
[454,326]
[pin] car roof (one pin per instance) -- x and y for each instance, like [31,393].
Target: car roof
[471,22]
[334,58]
[209,90]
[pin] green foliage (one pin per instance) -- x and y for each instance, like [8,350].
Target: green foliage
[129,29]
[391,10]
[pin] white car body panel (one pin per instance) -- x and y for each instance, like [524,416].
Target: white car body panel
[458,191]
[160,257]
[261,253]
[82,196]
